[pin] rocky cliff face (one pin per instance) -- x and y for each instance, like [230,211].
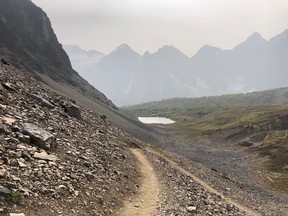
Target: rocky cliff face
[28,40]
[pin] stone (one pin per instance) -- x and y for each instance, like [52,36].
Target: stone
[8,86]
[24,138]
[39,137]
[15,128]
[8,120]
[21,164]
[16,214]
[4,191]
[26,155]
[3,173]
[191,209]
[44,156]
[73,111]
[2,129]
[42,101]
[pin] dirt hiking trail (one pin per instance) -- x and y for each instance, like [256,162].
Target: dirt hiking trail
[145,202]
[204,184]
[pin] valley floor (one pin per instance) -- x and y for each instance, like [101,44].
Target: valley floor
[210,179]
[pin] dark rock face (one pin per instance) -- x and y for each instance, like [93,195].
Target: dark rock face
[28,40]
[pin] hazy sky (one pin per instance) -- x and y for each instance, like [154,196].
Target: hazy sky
[150,24]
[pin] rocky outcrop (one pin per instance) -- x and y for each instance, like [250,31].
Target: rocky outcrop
[28,40]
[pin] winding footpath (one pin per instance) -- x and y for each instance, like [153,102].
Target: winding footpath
[204,184]
[145,202]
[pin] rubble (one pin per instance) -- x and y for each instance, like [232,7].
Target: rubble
[67,160]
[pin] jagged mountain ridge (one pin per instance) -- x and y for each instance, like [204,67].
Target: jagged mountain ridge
[28,40]
[255,64]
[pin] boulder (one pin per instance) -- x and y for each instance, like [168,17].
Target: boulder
[73,111]
[39,137]
[42,101]
[4,191]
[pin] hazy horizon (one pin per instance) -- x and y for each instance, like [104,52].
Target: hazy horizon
[148,25]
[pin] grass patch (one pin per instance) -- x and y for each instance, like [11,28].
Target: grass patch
[16,198]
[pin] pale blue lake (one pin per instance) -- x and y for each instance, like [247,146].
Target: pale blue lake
[156,120]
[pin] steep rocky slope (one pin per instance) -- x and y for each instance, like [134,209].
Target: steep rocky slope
[28,40]
[59,159]
[55,157]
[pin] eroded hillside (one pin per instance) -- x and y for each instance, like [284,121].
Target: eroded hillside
[58,158]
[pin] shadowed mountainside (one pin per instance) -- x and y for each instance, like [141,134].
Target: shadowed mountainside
[28,40]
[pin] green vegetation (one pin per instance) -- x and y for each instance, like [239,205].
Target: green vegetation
[16,198]
[259,118]
[203,104]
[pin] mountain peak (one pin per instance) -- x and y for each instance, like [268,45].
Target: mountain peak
[123,47]
[169,50]
[256,36]
[254,41]
[208,50]
[124,50]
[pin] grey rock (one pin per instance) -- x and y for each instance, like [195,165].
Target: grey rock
[39,137]
[44,156]
[42,101]
[8,86]
[26,155]
[73,111]
[15,128]
[3,173]
[4,191]
[23,138]
[21,164]
[191,208]
[2,129]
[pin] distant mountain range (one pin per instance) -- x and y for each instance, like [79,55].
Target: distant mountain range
[129,78]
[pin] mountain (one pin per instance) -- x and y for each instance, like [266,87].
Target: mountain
[28,44]
[114,72]
[82,60]
[253,65]
[27,40]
